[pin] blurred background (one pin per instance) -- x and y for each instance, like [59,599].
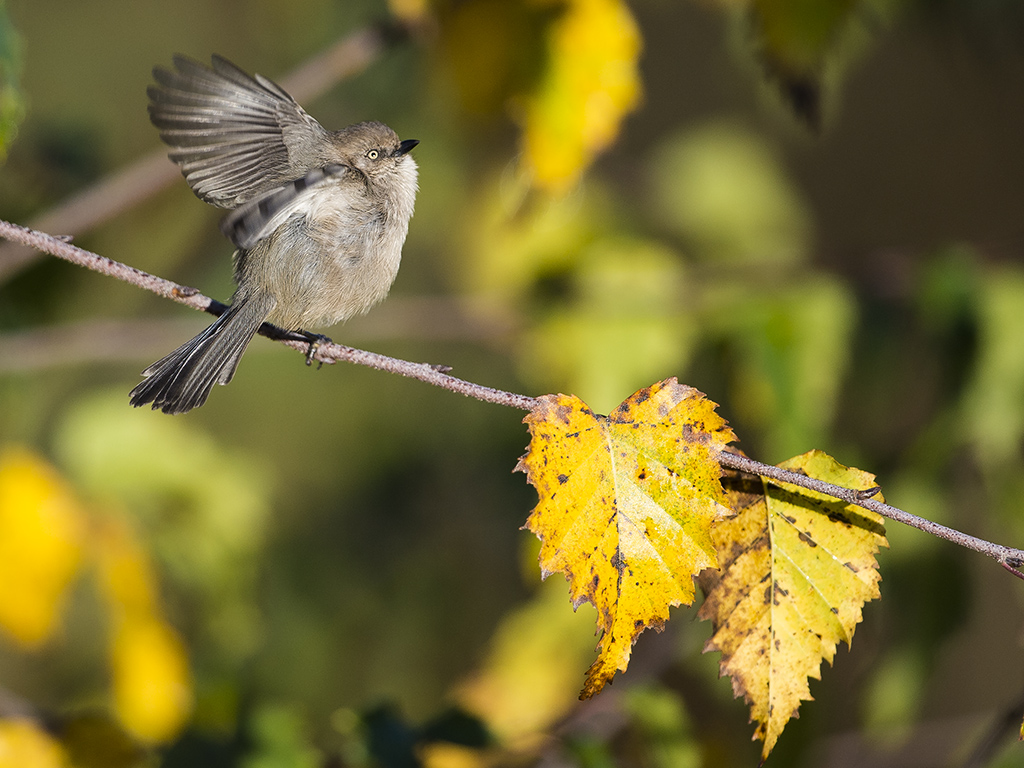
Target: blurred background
[813,212]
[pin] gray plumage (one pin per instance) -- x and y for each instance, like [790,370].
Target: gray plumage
[318,218]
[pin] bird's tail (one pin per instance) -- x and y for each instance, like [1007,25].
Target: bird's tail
[183,380]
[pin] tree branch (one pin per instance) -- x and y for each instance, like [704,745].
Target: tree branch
[326,353]
[329,352]
[1011,559]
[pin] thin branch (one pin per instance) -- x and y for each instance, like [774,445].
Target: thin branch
[127,187]
[1011,559]
[329,352]
[428,319]
[326,353]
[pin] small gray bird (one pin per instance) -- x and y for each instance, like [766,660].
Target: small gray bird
[318,217]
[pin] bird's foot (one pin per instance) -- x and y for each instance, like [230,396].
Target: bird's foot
[315,341]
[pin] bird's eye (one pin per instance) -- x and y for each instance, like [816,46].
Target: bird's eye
[373,154]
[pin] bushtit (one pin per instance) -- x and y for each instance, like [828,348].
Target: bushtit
[318,217]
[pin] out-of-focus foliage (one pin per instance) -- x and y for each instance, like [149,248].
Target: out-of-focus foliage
[152,686]
[45,536]
[338,551]
[12,107]
[529,678]
[23,744]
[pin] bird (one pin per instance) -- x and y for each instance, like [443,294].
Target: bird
[318,218]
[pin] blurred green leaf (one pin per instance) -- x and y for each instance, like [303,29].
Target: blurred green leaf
[280,740]
[206,508]
[622,326]
[993,406]
[666,730]
[790,351]
[12,104]
[724,190]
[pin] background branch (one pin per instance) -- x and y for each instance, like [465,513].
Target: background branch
[1009,558]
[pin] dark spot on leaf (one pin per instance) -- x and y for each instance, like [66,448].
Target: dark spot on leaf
[807,540]
[835,610]
[562,479]
[788,519]
[778,592]
[851,566]
[641,475]
[616,562]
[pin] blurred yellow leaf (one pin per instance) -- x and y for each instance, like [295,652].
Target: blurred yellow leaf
[445,755]
[592,81]
[408,10]
[626,506]
[797,567]
[152,691]
[41,533]
[151,682]
[24,745]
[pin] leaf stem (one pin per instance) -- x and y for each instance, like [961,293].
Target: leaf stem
[1010,559]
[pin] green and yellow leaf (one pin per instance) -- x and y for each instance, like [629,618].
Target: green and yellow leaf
[626,506]
[797,567]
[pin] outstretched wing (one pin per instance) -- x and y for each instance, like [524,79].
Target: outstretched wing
[249,223]
[235,136]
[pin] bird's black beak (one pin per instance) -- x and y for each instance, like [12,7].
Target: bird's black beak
[406,146]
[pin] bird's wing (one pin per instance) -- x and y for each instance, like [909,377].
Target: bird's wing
[235,136]
[251,222]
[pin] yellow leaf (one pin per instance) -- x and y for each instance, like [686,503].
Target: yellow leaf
[41,533]
[797,567]
[626,506]
[152,691]
[591,83]
[24,745]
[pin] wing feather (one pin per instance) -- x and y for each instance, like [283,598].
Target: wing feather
[235,136]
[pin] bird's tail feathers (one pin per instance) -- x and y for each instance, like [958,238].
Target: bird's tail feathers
[183,379]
